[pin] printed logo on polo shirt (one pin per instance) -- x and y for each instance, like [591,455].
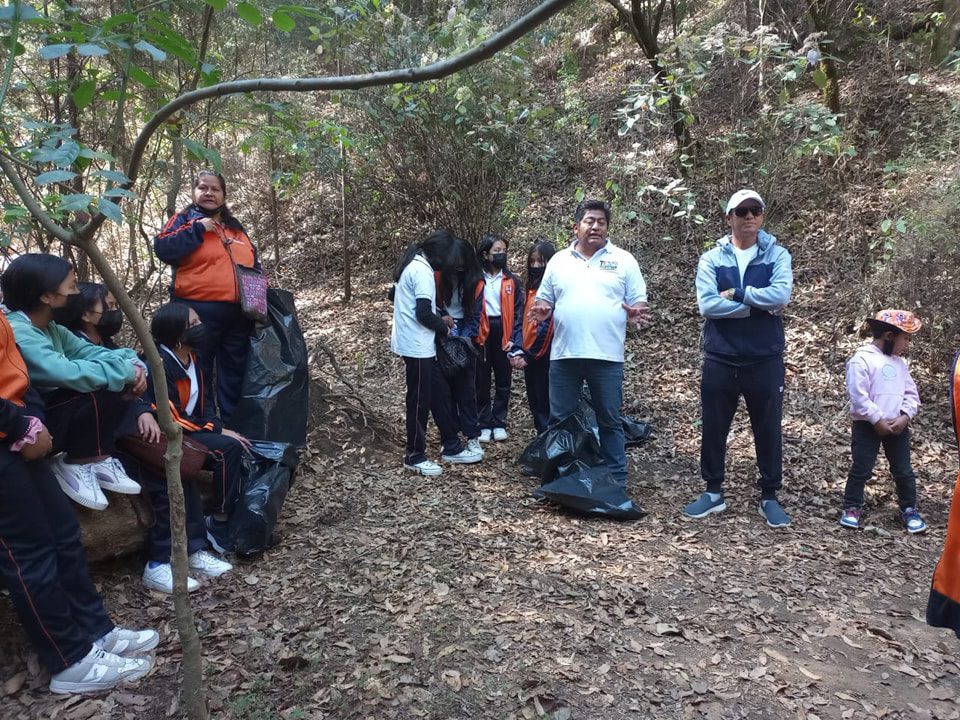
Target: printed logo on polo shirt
[610,265]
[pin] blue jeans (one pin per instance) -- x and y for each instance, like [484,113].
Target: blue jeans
[605,380]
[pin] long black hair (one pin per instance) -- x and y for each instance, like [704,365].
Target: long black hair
[486,242]
[546,250]
[90,293]
[468,274]
[31,275]
[442,250]
[169,322]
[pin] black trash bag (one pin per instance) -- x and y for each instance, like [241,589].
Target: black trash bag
[561,444]
[275,402]
[635,432]
[453,354]
[590,490]
[270,470]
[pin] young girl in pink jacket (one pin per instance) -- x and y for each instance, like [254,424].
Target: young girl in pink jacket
[883,401]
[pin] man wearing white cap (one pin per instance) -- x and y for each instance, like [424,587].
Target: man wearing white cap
[743,285]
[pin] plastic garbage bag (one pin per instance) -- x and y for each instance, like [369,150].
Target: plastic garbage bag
[270,471]
[635,432]
[590,490]
[275,402]
[561,444]
[572,473]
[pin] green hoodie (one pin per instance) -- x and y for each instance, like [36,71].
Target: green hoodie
[56,358]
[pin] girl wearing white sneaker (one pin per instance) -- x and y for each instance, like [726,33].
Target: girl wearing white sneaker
[42,562]
[84,387]
[416,324]
[178,332]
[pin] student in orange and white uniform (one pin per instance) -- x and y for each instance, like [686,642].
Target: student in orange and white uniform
[500,325]
[42,562]
[178,332]
[533,357]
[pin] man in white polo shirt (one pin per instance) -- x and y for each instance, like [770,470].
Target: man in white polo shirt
[593,289]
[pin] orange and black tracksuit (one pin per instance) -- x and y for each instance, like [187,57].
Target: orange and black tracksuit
[204,277]
[204,426]
[42,562]
[943,607]
[537,337]
[495,336]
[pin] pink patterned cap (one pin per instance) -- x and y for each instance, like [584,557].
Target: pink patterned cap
[901,319]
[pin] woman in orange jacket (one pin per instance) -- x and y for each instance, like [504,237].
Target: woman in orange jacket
[203,243]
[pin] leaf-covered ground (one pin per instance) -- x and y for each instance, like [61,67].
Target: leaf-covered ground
[393,596]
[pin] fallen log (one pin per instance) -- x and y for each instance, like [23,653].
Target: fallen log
[118,530]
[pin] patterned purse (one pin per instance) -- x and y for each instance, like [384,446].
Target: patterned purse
[251,288]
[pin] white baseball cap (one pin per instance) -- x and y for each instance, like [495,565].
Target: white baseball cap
[736,200]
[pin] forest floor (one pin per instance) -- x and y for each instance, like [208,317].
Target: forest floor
[395,596]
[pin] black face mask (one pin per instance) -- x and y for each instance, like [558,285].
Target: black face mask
[498,260]
[110,323]
[71,312]
[209,213]
[534,275]
[195,337]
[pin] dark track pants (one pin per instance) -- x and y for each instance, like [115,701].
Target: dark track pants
[85,424]
[155,486]
[537,376]
[427,391]
[228,342]
[493,360]
[865,445]
[226,463]
[463,400]
[44,566]
[761,385]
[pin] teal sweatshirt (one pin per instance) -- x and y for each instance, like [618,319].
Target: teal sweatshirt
[56,358]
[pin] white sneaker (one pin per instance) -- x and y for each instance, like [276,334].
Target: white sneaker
[97,671]
[208,564]
[78,483]
[473,445]
[500,434]
[485,435]
[111,476]
[464,457]
[160,578]
[128,643]
[425,467]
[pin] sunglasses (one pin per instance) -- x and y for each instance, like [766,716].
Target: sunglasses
[754,210]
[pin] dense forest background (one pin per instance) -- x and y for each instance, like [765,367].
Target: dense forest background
[396,598]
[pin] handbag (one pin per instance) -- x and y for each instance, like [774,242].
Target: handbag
[453,354]
[151,454]
[251,287]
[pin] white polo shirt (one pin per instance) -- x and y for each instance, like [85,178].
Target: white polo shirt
[587,296]
[491,293]
[409,338]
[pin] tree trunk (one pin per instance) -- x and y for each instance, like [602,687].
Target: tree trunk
[831,91]
[749,21]
[949,32]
